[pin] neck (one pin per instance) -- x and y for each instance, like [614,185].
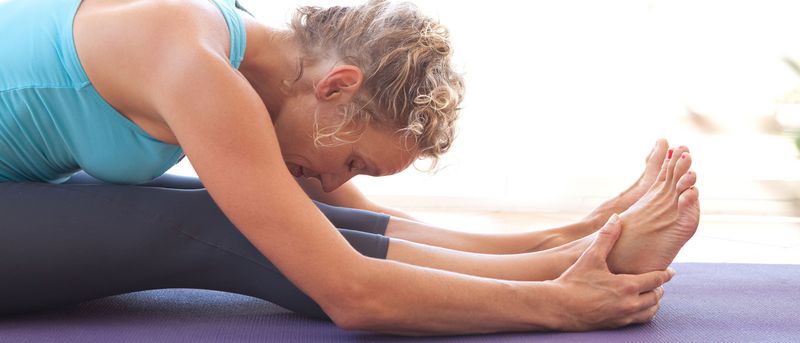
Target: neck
[271,59]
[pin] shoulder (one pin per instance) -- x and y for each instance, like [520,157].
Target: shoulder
[142,26]
[128,46]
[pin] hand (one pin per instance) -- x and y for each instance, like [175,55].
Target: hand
[591,297]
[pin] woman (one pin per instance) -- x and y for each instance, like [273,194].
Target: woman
[121,89]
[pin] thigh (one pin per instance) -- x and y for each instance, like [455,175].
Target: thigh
[340,217]
[62,244]
[165,181]
[355,219]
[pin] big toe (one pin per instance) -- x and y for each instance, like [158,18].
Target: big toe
[658,154]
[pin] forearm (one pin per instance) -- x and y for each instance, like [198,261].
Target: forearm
[410,300]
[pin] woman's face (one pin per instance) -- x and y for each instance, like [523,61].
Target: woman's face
[376,152]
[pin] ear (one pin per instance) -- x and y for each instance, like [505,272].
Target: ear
[340,84]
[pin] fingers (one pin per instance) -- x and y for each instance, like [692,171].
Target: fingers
[606,238]
[652,280]
[646,315]
[646,307]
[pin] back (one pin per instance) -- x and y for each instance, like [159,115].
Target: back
[53,122]
[34,64]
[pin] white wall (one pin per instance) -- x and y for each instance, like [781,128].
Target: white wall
[565,98]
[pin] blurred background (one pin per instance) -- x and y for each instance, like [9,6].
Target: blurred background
[566,98]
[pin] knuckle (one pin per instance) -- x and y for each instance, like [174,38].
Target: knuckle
[631,307]
[629,287]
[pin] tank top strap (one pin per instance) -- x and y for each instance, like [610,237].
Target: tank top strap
[236,29]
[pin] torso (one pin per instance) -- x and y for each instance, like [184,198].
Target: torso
[109,36]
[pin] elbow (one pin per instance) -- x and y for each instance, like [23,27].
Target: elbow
[359,305]
[351,320]
[357,308]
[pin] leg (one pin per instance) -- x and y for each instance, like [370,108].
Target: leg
[345,218]
[523,242]
[487,243]
[164,181]
[655,228]
[68,243]
[533,266]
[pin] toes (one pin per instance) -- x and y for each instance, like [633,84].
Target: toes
[686,181]
[688,198]
[679,157]
[657,155]
[682,164]
[662,175]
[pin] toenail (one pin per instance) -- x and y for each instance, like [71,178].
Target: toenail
[670,154]
[683,155]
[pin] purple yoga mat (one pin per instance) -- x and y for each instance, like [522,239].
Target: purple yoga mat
[704,303]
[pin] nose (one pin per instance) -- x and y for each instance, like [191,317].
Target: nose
[331,182]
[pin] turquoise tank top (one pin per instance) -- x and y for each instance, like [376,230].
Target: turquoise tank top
[53,122]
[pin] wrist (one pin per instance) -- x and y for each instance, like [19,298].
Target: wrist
[546,298]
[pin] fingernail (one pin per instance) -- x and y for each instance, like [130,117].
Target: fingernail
[671,271]
[614,219]
[669,154]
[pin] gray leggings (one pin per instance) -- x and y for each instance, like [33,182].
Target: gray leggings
[84,239]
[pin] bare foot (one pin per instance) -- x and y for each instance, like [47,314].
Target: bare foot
[656,227]
[628,197]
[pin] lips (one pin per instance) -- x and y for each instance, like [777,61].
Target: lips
[308,173]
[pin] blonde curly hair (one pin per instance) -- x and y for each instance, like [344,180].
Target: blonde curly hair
[409,83]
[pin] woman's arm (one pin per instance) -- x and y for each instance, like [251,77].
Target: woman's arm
[348,195]
[226,132]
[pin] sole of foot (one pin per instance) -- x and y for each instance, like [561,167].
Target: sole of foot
[657,226]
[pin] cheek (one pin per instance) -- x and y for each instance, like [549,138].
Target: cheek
[331,159]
